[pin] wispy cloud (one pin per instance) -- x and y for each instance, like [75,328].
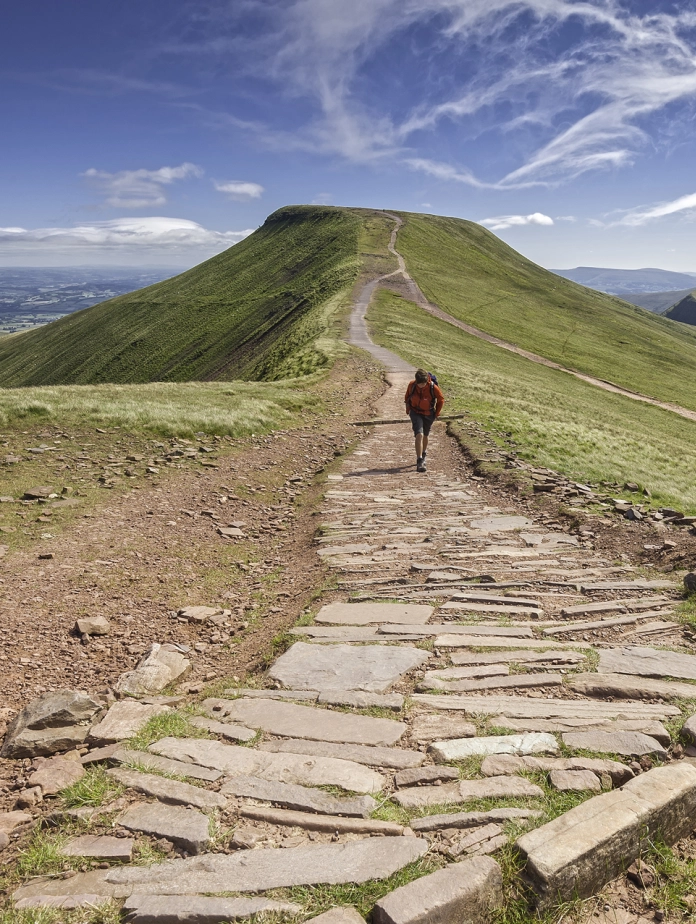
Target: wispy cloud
[516,221]
[239,189]
[137,189]
[644,215]
[174,235]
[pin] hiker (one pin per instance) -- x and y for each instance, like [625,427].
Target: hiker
[424,402]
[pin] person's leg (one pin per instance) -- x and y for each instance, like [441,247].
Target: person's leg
[420,440]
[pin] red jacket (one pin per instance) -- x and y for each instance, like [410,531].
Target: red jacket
[424,399]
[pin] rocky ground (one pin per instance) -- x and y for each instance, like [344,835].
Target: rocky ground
[480,682]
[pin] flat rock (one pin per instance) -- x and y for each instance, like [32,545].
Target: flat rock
[397,758]
[587,609]
[224,729]
[578,852]
[123,720]
[84,888]
[647,662]
[471,819]
[647,726]
[359,700]
[547,540]
[312,821]
[474,672]
[344,667]
[54,722]
[630,687]
[338,916]
[628,585]
[545,707]
[100,846]
[459,748]
[302,769]
[162,665]
[173,792]
[219,705]
[468,891]
[143,760]
[200,909]
[293,721]
[630,744]
[184,826]
[477,840]
[198,615]
[689,729]
[93,625]
[55,773]
[420,775]
[500,524]
[504,764]
[512,682]
[501,608]
[518,657]
[575,781]
[11,820]
[453,628]
[328,634]
[498,641]
[300,798]
[259,870]
[364,614]
[495,787]
[434,726]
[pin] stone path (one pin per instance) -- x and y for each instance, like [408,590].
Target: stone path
[455,662]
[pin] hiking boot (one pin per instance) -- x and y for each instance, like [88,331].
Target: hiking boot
[420,465]
[424,456]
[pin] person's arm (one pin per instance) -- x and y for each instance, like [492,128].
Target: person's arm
[407,397]
[439,401]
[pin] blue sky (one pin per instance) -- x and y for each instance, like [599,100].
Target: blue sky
[140,132]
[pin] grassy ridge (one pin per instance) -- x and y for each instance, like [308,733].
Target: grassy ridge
[477,278]
[554,419]
[252,312]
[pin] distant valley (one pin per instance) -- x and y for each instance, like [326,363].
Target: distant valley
[35,295]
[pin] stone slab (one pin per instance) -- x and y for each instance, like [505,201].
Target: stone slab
[53,774]
[293,721]
[518,657]
[11,820]
[343,915]
[51,892]
[628,585]
[302,696]
[359,700]
[100,846]
[460,748]
[504,764]
[300,798]
[365,614]
[587,609]
[500,608]
[433,726]
[470,891]
[310,821]
[647,662]
[397,758]
[183,826]
[297,768]
[630,744]
[471,819]
[143,760]
[609,623]
[495,787]
[123,720]
[511,682]
[647,726]
[339,633]
[344,667]
[470,843]
[500,524]
[259,870]
[471,672]
[545,707]
[498,641]
[162,665]
[630,687]
[173,792]
[224,729]
[578,852]
[575,781]
[420,775]
[453,628]
[200,909]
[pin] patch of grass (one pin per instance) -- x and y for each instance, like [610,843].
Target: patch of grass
[686,611]
[174,724]
[94,789]
[42,855]
[583,432]
[105,912]
[674,891]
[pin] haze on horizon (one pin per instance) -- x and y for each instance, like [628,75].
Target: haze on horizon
[133,138]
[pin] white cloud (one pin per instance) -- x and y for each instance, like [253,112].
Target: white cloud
[142,238]
[238,189]
[137,189]
[641,216]
[516,221]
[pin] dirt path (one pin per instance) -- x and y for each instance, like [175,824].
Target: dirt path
[359,337]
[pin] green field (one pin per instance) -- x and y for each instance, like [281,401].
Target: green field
[253,312]
[554,419]
[472,275]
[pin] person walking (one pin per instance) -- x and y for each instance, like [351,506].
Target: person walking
[424,402]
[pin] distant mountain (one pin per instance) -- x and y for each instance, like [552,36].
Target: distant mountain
[657,302]
[684,310]
[625,282]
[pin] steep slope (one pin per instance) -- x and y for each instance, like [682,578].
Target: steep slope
[247,313]
[684,311]
[472,275]
[656,302]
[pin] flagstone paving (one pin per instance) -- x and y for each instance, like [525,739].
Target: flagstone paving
[434,587]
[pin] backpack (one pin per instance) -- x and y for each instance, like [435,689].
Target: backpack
[432,381]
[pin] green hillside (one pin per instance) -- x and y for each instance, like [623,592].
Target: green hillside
[477,278]
[684,311]
[252,312]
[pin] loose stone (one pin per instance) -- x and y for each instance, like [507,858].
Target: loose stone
[458,749]
[468,891]
[172,791]
[123,720]
[11,820]
[52,723]
[631,744]
[55,773]
[99,846]
[317,822]
[300,798]
[471,842]
[162,665]
[398,758]
[200,909]
[93,625]
[575,781]
[182,826]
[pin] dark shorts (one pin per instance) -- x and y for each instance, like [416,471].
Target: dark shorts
[420,423]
